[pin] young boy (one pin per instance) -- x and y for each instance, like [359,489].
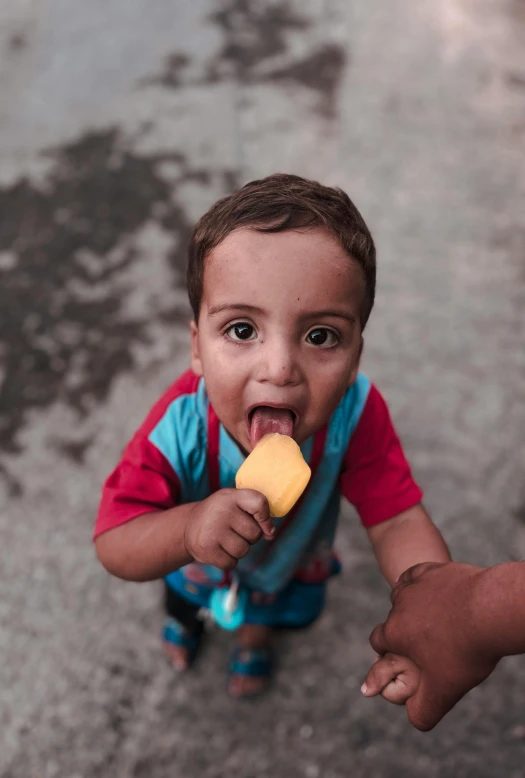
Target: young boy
[281,280]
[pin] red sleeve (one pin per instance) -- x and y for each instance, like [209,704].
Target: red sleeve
[376,477]
[143,481]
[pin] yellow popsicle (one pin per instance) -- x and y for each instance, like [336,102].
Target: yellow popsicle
[276,468]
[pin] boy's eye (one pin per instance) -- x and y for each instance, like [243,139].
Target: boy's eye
[322,337]
[241,331]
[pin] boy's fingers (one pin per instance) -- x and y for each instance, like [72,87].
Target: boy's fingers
[234,545]
[223,560]
[396,678]
[402,688]
[380,675]
[256,504]
[395,692]
[245,525]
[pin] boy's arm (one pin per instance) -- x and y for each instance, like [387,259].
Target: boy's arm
[216,531]
[377,480]
[144,528]
[406,540]
[147,547]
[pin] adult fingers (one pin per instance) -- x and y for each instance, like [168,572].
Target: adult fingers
[234,545]
[383,641]
[377,639]
[426,708]
[411,575]
[256,504]
[246,526]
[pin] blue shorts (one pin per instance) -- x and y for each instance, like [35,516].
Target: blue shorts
[298,605]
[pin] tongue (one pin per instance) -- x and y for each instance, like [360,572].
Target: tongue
[266,420]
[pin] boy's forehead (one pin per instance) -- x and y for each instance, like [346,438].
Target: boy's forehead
[310,262]
[260,243]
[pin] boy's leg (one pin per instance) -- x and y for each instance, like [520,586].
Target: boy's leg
[254,641]
[297,607]
[186,623]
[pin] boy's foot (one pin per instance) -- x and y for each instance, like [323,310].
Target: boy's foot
[180,644]
[251,664]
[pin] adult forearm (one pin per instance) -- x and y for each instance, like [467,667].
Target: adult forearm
[148,547]
[498,609]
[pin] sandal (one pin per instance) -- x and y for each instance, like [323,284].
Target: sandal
[176,634]
[252,663]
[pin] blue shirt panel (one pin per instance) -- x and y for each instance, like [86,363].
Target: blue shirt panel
[181,436]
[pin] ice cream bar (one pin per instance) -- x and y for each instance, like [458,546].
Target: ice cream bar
[276,468]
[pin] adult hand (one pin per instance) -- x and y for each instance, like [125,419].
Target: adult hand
[434,623]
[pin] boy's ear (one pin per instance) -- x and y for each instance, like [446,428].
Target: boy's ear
[196,364]
[355,370]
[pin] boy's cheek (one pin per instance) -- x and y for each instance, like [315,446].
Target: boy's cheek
[196,366]
[196,362]
[355,369]
[353,375]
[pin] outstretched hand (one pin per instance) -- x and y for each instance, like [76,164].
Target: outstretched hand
[433,624]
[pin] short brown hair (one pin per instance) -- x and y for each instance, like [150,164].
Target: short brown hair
[283,202]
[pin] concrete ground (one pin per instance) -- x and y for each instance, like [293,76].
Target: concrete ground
[120,123]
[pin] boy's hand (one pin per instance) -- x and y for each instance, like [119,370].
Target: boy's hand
[221,528]
[395,677]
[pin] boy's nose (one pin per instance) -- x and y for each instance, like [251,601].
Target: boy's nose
[278,364]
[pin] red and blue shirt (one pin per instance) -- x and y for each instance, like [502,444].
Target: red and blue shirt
[182,453]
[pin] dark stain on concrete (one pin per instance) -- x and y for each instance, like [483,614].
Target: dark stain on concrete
[254,31]
[17,42]
[13,485]
[254,35]
[64,333]
[321,70]
[519,514]
[515,80]
[75,450]
[172,77]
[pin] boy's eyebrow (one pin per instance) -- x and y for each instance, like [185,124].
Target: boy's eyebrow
[338,314]
[245,308]
[215,309]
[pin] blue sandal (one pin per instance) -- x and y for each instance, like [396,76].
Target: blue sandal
[176,634]
[252,663]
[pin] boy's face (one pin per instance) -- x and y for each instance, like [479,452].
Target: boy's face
[278,326]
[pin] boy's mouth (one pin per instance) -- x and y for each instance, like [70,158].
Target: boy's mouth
[265,419]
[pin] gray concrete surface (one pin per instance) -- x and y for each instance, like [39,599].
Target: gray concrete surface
[120,122]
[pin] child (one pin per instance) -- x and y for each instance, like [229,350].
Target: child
[281,280]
